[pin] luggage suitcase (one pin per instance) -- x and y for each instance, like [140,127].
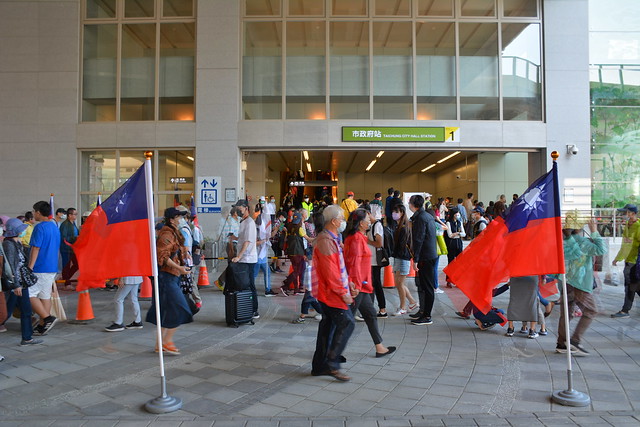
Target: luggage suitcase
[238,307]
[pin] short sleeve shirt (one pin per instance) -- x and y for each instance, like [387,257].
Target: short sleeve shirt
[247,233]
[376,229]
[46,236]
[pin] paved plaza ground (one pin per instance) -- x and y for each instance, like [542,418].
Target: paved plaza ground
[449,373]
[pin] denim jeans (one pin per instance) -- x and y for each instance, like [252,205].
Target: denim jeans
[309,301]
[262,265]
[334,332]
[121,295]
[25,311]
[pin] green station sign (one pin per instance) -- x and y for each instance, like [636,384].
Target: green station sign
[399,134]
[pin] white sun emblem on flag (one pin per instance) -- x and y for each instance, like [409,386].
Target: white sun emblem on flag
[532,201]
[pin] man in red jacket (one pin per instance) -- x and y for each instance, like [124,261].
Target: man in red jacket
[330,285]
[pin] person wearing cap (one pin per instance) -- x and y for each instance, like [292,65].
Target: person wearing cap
[479,222]
[247,254]
[629,253]
[307,204]
[171,255]
[349,204]
[578,258]
[427,201]
[19,294]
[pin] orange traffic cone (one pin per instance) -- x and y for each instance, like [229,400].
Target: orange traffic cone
[203,277]
[389,281]
[412,271]
[145,288]
[85,311]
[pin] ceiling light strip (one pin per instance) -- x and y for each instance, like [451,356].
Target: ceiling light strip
[428,167]
[373,162]
[455,153]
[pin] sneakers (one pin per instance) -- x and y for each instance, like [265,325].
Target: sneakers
[298,320]
[414,306]
[510,332]
[114,327]
[48,323]
[524,330]
[620,314]
[256,315]
[438,291]
[134,325]
[543,333]
[561,348]
[400,312]
[359,318]
[532,334]
[579,350]
[416,315]
[318,317]
[382,315]
[39,330]
[283,292]
[422,321]
[461,314]
[32,341]
[3,328]
[270,293]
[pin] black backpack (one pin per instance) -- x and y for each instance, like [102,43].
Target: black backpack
[387,242]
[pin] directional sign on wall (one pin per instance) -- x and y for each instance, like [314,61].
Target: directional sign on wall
[209,195]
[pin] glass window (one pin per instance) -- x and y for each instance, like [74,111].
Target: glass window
[392,73]
[436,70]
[349,50]
[524,8]
[130,162]
[435,7]
[478,47]
[349,7]
[101,9]
[262,71]
[177,8]
[306,70]
[139,8]
[175,171]
[478,7]
[521,72]
[98,171]
[99,73]
[138,72]
[262,7]
[393,7]
[306,8]
[177,70]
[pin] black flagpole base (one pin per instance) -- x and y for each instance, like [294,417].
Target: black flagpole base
[163,405]
[571,398]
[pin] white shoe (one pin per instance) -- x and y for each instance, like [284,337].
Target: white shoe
[400,312]
[438,291]
[359,318]
[318,317]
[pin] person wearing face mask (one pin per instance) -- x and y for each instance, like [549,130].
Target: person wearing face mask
[306,204]
[628,253]
[278,235]
[61,215]
[187,234]
[247,253]
[402,255]
[171,254]
[454,236]
[330,285]
[357,257]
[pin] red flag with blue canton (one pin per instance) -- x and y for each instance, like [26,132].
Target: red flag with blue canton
[114,241]
[527,242]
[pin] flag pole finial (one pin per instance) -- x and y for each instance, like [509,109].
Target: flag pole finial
[148,155]
[555,155]
[51,194]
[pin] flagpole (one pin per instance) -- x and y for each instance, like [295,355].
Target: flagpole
[163,403]
[568,397]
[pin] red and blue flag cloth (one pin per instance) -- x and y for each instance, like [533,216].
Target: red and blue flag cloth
[114,241]
[527,242]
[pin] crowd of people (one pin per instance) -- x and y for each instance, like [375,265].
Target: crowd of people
[337,253]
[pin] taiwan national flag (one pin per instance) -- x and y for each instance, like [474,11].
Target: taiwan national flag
[114,241]
[527,242]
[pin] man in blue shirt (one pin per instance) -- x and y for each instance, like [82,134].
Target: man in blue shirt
[43,260]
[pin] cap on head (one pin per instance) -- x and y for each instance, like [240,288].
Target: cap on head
[13,227]
[241,202]
[479,210]
[427,195]
[183,210]
[172,212]
[297,218]
[350,193]
[629,207]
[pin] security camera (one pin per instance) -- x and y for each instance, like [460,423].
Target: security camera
[458,177]
[572,149]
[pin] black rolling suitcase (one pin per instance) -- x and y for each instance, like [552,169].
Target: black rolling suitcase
[238,299]
[238,307]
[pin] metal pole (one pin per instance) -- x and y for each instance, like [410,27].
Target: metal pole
[163,403]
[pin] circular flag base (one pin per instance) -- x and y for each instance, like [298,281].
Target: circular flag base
[163,405]
[571,398]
